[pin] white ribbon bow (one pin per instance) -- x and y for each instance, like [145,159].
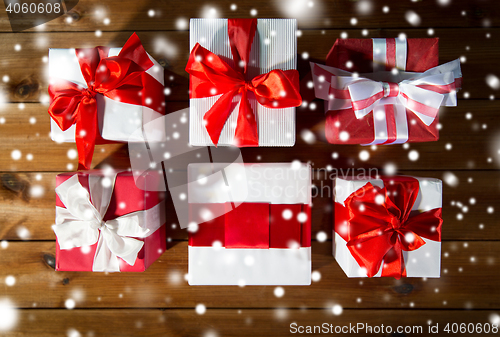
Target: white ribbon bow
[422,93]
[388,95]
[81,223]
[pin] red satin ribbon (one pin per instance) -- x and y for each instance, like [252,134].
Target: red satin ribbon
[380,225]
[211,76]
[251,225]
[117,77]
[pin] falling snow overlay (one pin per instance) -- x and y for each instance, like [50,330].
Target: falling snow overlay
[37,300]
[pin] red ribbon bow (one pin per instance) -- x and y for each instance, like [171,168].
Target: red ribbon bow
[116,77]
[211,76]
[381,226]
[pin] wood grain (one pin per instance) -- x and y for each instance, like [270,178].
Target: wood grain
[473,141]
[22,211]
[230,322]
[159,302]
[28,72]
[90,15]
[163,285]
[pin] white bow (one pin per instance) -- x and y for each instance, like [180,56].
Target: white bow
[422,93]
[389,95]
[81,223]
[413,94]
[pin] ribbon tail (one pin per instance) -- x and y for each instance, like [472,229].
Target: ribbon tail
[216,117]
[86,132]
[394,264]
[246,133]
[241,33]
[104,259]
[125,248]
[134,50]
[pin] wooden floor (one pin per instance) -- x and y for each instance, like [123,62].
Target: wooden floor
[159,302]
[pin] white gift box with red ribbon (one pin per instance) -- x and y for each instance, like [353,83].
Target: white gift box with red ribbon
[227,204]
[117,120]
[274,47]
[422,262]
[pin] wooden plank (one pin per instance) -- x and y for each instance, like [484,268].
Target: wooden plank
[466,268]
[473,141]
[28,72]
[235,322]
[23,213]
[90,15]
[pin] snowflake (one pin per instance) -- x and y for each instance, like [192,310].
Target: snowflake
[16,154]
[493,81]
[9,315]
[364,7]
[279,292]
[321,236]
[390,169]
[69,303]
[200,309]
[450,179]
[413,155]
[307,136]
[337,309]
[181,24]
[37,191]
[364,155]
[315,276]
[287,214]
[23,233]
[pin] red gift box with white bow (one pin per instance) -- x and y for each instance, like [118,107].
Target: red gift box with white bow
[106,221]
[384,91]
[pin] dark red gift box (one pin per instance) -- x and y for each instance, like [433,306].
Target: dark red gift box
[422,54]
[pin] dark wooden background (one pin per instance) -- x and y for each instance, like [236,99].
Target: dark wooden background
[159,301]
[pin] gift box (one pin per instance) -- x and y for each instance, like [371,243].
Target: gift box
[388,227]
[102,95]
[107,221]
[250,224]
[244,85]
[384,91]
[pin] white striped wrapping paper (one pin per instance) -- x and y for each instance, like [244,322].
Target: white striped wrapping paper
[274,47]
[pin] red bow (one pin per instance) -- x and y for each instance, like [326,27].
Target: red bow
[211,76]
[380,225]
[116,77]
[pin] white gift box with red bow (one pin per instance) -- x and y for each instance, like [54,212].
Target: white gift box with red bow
[274,47]
[117,121]
[422,262]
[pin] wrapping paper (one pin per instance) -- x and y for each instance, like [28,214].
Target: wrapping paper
[256,230]
[117,120]
[127,199]
[363,57]
[274,47]
[422,262]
